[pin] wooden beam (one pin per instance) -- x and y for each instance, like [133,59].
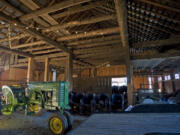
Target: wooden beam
[69,72]
[97,49]
[43,47]
[95,40]
[34,32]
[31,69]
[160,5]
[14,37]
[46,69]
[15,52]
[155,54]
[28,44]
[121,11]
[157,43]
[53,8]
[82,22]
[90,34]
[33,6]
[98,44]
[77,9]
[122,20]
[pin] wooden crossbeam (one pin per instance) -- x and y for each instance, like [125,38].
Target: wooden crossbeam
[98,44]
[28,44]
[122,21]
[97,49]
[95,40]
[157,43]
[53,8]
[33,32]
[33,6]
[160,5]
[90,34]
[155,54]
[14,37]
[77,9]
[83,22]
[15,52]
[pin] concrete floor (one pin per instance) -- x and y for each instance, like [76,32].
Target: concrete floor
[19,124]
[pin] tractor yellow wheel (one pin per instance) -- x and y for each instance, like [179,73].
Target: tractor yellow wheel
[57,124]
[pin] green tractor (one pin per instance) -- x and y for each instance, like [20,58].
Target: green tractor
[38,98]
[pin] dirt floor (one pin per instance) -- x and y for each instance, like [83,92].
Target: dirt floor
[19,124]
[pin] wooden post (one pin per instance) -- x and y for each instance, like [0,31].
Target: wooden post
[93,72]
[129,74]
[173,82]
[31,69]
[46,69]
[69,71]
[163,85]
[121,12]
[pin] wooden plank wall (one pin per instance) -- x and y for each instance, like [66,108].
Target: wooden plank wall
[12,76]
[18,75]
[102,82]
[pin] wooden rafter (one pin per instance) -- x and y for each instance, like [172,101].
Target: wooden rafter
[53,8]
[90,34]
[166,42]
[78,9]
[122,21]
[33,32]
[15,52]
[160,5]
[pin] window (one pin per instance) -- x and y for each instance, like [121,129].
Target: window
[176,76]
[119,81]
[159,78]
[150,82]
[167,77]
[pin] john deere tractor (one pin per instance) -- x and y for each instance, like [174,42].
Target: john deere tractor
[40,97]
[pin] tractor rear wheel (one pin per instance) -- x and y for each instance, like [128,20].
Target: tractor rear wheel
[57,124]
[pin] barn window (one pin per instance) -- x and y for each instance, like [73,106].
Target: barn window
[122,81]
[176,76]
[167,77]
[159,78]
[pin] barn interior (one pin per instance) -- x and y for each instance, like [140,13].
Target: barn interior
[113,54]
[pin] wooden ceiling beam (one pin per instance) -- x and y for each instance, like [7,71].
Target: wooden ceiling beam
[160,5]
[96,49]
[157,43]
[82,22]
[77,9]
[28,44]
[43,47]
[53,8]
[8,50]
[98,44]
[155,54]
[14,37]
[122,21]
[95,40]
[33,32]
[90,34]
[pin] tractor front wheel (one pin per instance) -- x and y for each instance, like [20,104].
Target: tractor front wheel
[69,120]
[57,124]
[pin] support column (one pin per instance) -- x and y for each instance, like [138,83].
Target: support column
[163,85]
[69,71]
[93,72]
[129,74]
[31,69]
[173,82]
[46,69]
[121,12]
